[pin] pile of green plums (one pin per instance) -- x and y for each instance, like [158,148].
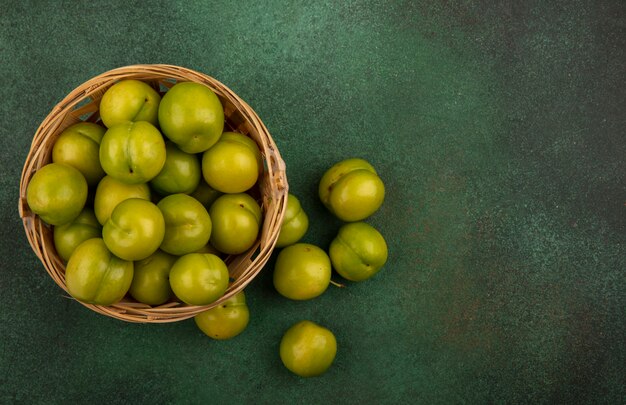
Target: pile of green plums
[352,191]
[149,201]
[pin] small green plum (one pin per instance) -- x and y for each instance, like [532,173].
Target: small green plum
[308,349]
[129,100]
[110,192]
[79,146]
[226,320]
[358,251]
[187,224]
[352,190]
[232,164]
[132,152]
[205,194]
[199,278]
[181,172]
[68,236]
[192,116]
[135,229]
[236,222]
[151,282]
[295,223]
[95,276]
[57,193]
[302,272]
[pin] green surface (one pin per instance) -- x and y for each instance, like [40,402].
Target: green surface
[498,130]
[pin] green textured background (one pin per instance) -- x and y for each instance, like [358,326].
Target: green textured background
[499,131]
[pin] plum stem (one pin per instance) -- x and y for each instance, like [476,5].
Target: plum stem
[336,284]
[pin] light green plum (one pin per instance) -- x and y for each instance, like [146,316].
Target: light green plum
[191,116]
[232,164]
[226,320]
[57,193]
[95,276]
[308,349]
[199,278]
[358,251]
[135,229]
[352,190]
[236,222]
[79,146]
[110,192]
[295,223]
[68,236]
[187,224]
[132,152]
[181,172]
[129,100]
[151,282]
[302,272]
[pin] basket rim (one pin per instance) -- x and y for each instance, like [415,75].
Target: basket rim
[273,204]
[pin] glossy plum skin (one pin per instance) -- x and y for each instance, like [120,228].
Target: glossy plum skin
[95,276]
[226,320]
[191,115]
[232,164]
[79,147]
[151,283]
[132,152]
[187,224]
[236,223]
[57,193]
[110,192]
[199,278]
[181,172]
[129,100]
[68,236]
[351,190]
[295,223]
[135,229]
[358,251]
[308,349]
[302,272]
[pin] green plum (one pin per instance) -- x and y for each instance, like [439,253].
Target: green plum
[352,190]
[187,224]
[151,282]
[110,192]
[57,193]
[95,276]
[358,251]
[226,320]
[302,272]
[180,174]
[205,194]
[79,146]
[308,349]
[68,236]
[132,152]
[191,116]
[129,100]
[236,221]
[232,164]
[295,223]
[135,229]
[199,278]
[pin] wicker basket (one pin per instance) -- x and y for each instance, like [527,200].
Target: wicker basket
[82,105]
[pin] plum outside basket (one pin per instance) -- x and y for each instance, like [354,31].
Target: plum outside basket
[82,105]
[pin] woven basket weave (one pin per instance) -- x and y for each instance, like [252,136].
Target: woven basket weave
[82,105]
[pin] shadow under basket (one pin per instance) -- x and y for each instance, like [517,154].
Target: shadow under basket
[82,105]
